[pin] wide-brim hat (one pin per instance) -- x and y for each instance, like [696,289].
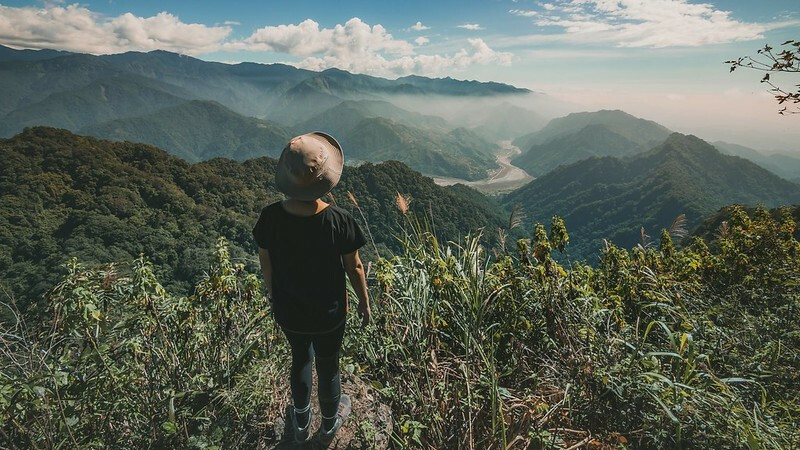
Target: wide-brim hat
[310,166]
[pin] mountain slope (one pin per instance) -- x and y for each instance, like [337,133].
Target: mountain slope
[458,153]
[592,140]
[66,195]
[26,82]
[612,198]
[785,166]
[198,130]
[640,131]
[10,54]
[99,101]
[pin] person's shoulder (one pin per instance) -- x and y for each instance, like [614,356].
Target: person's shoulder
[271,207]
[339,211]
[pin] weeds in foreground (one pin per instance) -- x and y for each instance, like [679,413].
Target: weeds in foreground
[658,347]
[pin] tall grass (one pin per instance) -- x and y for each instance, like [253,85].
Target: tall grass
[472,347]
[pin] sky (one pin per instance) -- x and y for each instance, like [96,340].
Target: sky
[658,59]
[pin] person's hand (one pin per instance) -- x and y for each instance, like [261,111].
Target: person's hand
[364,312]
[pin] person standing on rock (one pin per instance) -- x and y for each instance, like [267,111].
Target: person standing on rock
[306,247]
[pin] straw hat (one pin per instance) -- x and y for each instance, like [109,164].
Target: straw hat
[310,166]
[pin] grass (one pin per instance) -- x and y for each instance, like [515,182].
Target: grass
[471,347]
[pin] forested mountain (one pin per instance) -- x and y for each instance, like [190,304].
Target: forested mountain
[783,165]
[640,131]
[10,54]
[67,196]
[101,100]
[198,130]
[379,131]
[592,140]
[179,104]
[612,198]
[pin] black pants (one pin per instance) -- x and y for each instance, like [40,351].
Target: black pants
[326,348]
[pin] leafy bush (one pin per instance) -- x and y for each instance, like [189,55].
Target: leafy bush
[656,347]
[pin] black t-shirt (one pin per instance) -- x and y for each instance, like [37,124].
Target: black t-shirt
[308,278]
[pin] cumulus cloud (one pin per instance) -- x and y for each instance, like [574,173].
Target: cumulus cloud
[353,39]
[477,53]
[76,28]
[470,26]
[418,27]
[523,12]
[636,23]
[355,46]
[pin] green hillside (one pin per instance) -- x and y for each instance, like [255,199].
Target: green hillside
[592,140]
[640,131]
[99,101]
[345,116]
[24,83]
[784,166]
[459,153]
[73,196]
[611,198]
[198,130]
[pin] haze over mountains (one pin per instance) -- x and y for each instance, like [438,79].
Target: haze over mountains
[607,172]
[147,97]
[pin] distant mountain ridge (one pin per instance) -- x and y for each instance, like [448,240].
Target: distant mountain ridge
[198,130]
[581,135]
[608,197]
[152,97]
[785,166]
[67,195]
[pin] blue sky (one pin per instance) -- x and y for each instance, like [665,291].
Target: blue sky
[659,59]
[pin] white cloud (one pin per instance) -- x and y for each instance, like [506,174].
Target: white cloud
[78,29]
[652,23]
[354,39]
[470,26]
[479,53]
[418,27]
[523,12]
[355,46]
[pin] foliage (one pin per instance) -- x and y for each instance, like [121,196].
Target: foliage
[71,196]
[770,61]
[124,364]
[657,347]
[613,198]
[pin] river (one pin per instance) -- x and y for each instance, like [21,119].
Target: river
[505,178]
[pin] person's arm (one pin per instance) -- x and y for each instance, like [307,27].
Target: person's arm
[355,271]
[266,269]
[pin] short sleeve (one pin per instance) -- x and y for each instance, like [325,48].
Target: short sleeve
[262,232]
[350,238]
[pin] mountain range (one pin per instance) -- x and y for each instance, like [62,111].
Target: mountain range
[67,196]
[786,166]
[612,197]
[582,135]
[151,97]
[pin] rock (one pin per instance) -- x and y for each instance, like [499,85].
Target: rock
[368,427]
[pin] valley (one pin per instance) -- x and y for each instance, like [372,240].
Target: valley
[506,178]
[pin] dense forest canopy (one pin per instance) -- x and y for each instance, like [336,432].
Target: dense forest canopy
[67,196]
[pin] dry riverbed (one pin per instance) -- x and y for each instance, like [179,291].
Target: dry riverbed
[506,178]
